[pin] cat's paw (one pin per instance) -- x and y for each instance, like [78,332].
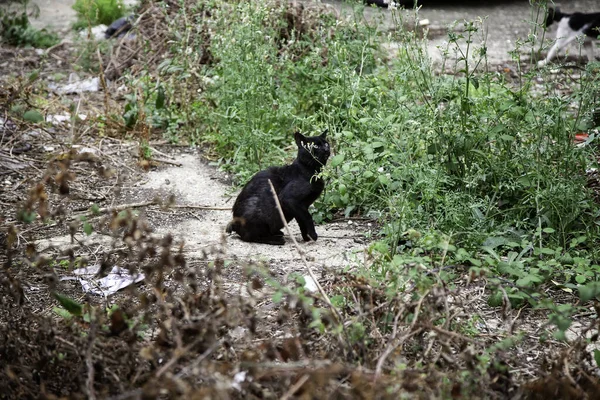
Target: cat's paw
[310,237]
[541,63]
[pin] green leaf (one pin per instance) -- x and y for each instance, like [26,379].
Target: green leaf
[69,304]
[87,228]
[543,250]
[95,209]
[497,129]
[384,180]
[525,281]
[580,279]
[26,216]
[277,296]
[597,357]
[337,301]
[494,241]
[589,291]
[300,280]
[160,98]
[337,160]
[33,116]
[525,181]
[495,299]
[548,230]
[348,210]
[33,76]
[62,312]
[562,322]
[560,335]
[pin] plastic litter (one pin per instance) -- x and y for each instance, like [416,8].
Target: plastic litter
[118,278]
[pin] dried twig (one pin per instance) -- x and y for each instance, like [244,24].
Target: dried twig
[184,352]
[198,207]
[148,203]
[308,268]
[292,366]
[162,160]
[116,208]
[452,334]
[392,345]
[89,383]
[185,371]
[295,387]
[103,81]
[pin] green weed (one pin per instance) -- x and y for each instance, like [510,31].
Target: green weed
[96,12]
[16,30]
[468,156]
[467,152]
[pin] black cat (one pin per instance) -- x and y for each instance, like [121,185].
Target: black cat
[255,215]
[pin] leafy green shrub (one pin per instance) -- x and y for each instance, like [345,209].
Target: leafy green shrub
[467,154]
[96,12]
[16,30]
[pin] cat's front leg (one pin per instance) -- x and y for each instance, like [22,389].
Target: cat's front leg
[310,237]
[304,219]
[307,226]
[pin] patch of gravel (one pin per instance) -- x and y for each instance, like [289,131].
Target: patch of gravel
[196,183]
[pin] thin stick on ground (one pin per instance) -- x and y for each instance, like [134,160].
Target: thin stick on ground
[117,208]
[89,382]
[164,161]
[308,268]
[149,203]
[198,207]
[295,387]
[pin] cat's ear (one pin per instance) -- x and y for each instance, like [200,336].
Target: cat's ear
[324,134]
[299,138]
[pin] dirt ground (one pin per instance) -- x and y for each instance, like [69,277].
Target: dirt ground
[193,182]
[186,175]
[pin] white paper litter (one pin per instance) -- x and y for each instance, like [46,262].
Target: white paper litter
[98,32]
[118,278]
[60,118]
[86,85]
[309,284]
[240,377]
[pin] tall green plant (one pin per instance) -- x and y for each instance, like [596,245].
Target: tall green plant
[467,152]
[95,12]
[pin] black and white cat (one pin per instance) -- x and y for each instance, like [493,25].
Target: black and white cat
[569,27]
[255,215]
[379,3]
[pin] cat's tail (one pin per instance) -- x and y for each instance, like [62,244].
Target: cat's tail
[234,225]
[230,227]
[554,14]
